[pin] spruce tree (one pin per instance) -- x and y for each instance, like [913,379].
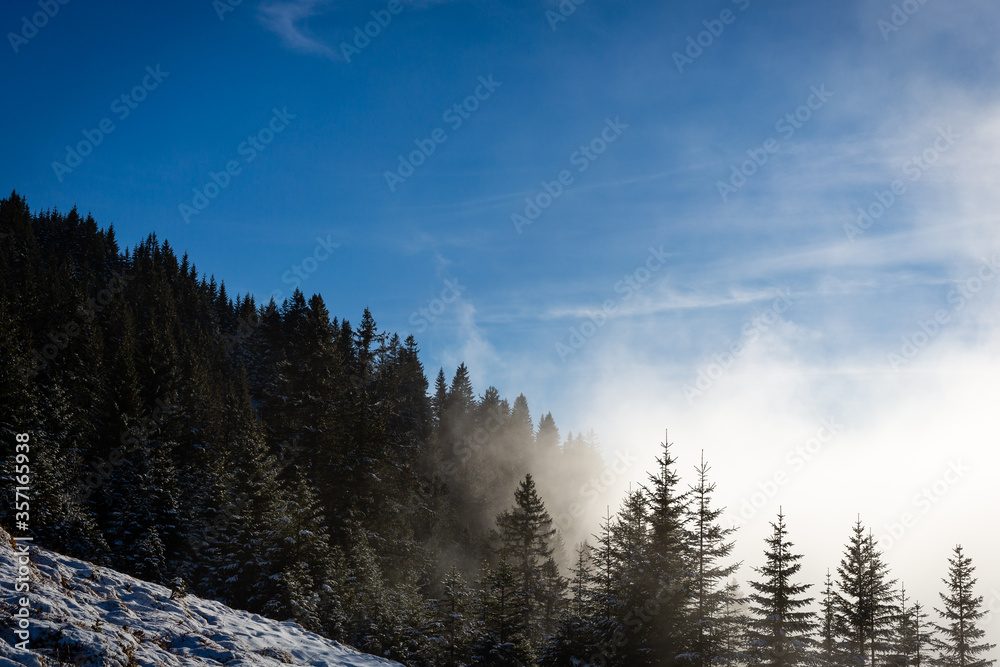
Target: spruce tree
[780,634]
[504,637]
[865,606]
[882,604]
[733,626]
[455,621]
[527,537]
[960,639]
[638,590]
[710,547]
[440,398]
[910,636]
[923,635]
[576,639]
[671,566]
[828,641]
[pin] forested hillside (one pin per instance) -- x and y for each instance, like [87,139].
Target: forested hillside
[282,460]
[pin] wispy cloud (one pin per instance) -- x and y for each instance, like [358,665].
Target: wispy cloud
[287,20]
[668,300]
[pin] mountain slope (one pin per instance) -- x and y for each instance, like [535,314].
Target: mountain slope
[83,614]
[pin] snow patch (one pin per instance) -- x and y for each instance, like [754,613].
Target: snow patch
[83,614]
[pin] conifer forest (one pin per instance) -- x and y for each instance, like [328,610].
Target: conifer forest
[283,460]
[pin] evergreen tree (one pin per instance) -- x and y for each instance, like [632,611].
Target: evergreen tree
[576,638]
[960,639]
[829,643]
[923,639]
[780,634]
[455,620]
[440,399]
[304,559]
[882,605]
[711,545]
[910,637]
[865,606]
[527,534]
[638,590]
[607,615]
[671,563]
[504,637]
[733,625]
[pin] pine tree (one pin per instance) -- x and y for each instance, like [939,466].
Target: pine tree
[781,632]
[581,585]
[671,564]
[638,591]
[923,635]
[865,607]
[546,451]
[910,637]
[733,625]
[440,399]
[829,644]
[608,610]
[304,558]
[576,638]
[527,535]
[881,602]
[454,617]
[959,642]
[504,639]
[239,546]
[710,593]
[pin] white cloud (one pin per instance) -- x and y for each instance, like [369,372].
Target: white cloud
[902,431]
[472,347]
[287,20]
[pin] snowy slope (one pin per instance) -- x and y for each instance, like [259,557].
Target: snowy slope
[83,614]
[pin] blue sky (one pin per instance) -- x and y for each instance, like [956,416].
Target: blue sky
[877,92]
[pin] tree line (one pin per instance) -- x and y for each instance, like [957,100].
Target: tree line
[287,462]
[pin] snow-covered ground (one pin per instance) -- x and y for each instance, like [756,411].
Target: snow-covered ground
[82,614]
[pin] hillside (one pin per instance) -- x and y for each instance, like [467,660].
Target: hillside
[83,614]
